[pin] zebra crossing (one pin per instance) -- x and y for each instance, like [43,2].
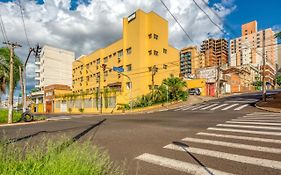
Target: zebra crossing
[212,107]
[251,142]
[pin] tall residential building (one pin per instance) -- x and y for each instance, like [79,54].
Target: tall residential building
[215,51]
[248,49]
[143,53]
[190,60]
[279,57]
[54,66]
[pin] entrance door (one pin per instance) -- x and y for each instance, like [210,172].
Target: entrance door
[49,106]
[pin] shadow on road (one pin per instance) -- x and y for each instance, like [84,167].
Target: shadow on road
[184,146]
[75,138]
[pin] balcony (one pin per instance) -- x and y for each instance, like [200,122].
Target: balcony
[37,70]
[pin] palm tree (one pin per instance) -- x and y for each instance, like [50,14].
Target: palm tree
[176,88]
[278,35]
[5,69]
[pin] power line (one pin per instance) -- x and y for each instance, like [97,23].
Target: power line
[3,30]
[23,22]
[176,21]
[209,17]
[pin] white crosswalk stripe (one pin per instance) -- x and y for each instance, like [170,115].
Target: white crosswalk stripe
[234,145]
[246,131]
[258,120]
[240,137]
[249,126]
[265,118]
[179,165]
[228,156]
[228,107]
[241,107]
[255,123]
[217,107]
[210,106]
[198,107]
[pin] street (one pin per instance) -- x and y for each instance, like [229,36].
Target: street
[224,136]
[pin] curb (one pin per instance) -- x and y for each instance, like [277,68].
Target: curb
[267,109]
[26,123]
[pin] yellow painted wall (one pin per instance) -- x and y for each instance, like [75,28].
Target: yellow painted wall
[135,36]
[40,108]
[197,83]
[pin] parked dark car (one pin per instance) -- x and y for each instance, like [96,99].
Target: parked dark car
[194,91]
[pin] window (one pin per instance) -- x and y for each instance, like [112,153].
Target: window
[114,53]
[119,76]
[165,51]
[155,36]
[155,52]
[106,73]
[105,60]
[128,85]
[150,52]
[150,36]
[165,66]
[87,66]
[129,67]
[129,50]
[120,53]
[110,56]
[98,61]
[88,78]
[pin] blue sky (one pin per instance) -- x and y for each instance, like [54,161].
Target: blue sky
[267,13]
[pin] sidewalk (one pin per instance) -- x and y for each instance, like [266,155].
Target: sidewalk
[273,104]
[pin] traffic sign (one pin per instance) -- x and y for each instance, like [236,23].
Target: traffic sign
[118,69]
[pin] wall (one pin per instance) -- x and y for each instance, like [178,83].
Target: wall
[197,83]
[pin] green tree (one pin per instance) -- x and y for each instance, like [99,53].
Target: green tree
[176,88]
[5,69]
[278,35]
[278,80]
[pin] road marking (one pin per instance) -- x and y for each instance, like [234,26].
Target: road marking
[240,137]
[241,107]
[233,157]
[178,109]
[246,131]
[217,107]
[259,118]
[226,108]
[263,113]
[189,107]
[237,101]
[163,110]
[200,106]
[234,145]
[58,118]
[249,120]
[255,123]
[179,165]
[210,106]
[249,126]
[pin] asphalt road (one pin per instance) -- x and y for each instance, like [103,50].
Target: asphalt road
[224,136]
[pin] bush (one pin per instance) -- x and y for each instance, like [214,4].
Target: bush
[4,116]
[81,110]
[46,158]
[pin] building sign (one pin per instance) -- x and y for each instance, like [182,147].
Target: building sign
[132,17]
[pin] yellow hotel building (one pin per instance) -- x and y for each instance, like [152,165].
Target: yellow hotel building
[143,52]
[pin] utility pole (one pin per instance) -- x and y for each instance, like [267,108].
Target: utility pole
[21,85]
[12,46]
[263,69]
[218,79]
[153,72]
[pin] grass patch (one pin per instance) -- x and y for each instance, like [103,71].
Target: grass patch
[4,116]
[45,158]
[17,116]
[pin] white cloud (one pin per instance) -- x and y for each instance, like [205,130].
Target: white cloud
[99,23]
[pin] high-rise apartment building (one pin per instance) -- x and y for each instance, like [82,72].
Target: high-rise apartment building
[54,66]
[279,57]
[215,51]
[143,53]
[250,47]
[190,60]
